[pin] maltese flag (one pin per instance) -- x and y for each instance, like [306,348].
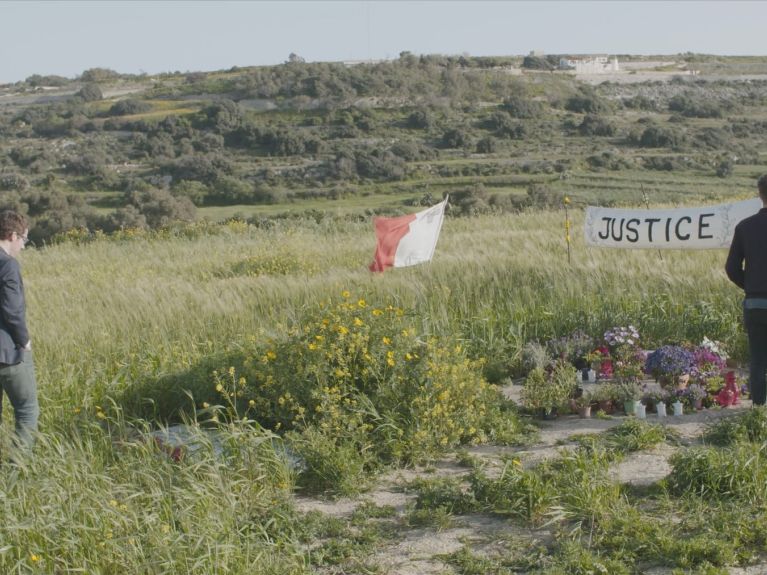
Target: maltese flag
[407,240]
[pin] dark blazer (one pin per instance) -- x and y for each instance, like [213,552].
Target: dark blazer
[749,247]
[13,326]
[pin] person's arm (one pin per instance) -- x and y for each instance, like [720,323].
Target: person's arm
[734,264]
[12,303]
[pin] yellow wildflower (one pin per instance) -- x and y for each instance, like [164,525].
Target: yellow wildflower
[270,355]
[252,403]
[312,346]
[345,294]
[377,312]
[361,303]
[34,558]
[386,340]
[358,322]
[219,387]
[205,405]
[343,330]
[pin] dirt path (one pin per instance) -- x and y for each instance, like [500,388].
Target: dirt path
[420,550]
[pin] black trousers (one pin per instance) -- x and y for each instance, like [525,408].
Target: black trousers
[756,327]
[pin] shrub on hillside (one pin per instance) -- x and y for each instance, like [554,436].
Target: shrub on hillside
[90,93]
[129,106]
[594,125]
[159,207]
[522,107]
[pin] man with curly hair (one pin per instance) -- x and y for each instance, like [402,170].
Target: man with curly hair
[17,369]
[747,268]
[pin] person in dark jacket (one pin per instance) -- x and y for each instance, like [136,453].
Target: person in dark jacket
[17,369]
[747,268]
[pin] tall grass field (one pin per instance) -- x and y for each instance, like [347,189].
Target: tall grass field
[143,330]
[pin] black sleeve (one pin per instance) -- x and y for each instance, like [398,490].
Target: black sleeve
[734,265]
[12,302]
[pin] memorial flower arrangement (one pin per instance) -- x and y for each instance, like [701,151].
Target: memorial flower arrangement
[620,336]
[600,361]
[669,362]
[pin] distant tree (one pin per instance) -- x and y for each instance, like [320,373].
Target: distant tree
[660,137]
[37,80]
[229,190]
[197,192]
[12,181]
[455,138]
[422,119]
[522,107]
[294,58]
[536,63]
[594,125]
[129,106]
[90,93]
[725,168]
[159,207]
[205,168]
[127,217]
[587,101]
[98,75]
[487,145]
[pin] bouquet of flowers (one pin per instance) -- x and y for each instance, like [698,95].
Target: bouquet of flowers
[619,336]
[715,347]
[600,361]
[667,363]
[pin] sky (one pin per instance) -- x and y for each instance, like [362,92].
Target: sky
[66,37]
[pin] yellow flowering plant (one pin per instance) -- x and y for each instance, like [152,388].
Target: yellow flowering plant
[361,374]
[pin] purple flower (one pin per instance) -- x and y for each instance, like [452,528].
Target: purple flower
[669,361]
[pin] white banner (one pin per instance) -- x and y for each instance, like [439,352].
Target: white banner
[680,228]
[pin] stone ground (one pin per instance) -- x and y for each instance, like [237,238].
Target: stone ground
[417,551]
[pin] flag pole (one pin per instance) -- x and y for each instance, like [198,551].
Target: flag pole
[567,228]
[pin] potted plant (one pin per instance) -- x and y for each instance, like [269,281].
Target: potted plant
[657,397]
[599,360]
[628,392]
[582,404]
[670,364]
[603,396]
[544,392]
[695,394]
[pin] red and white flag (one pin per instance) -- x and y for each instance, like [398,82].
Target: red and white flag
[407,240]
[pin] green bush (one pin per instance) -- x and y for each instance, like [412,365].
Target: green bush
[750,426]
[361,371]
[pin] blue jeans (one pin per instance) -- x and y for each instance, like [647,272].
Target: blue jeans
[19,384]
[756,327]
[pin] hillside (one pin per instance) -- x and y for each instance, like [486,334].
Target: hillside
[110,151]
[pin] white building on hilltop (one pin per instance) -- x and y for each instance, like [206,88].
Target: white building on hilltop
[589,64]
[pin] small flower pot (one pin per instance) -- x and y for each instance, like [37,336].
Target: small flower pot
[678,408]
[660,409]
[606,405]
[584,412]
[640,410]
[630,406]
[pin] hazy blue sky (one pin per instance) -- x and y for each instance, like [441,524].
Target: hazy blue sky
[67,37]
